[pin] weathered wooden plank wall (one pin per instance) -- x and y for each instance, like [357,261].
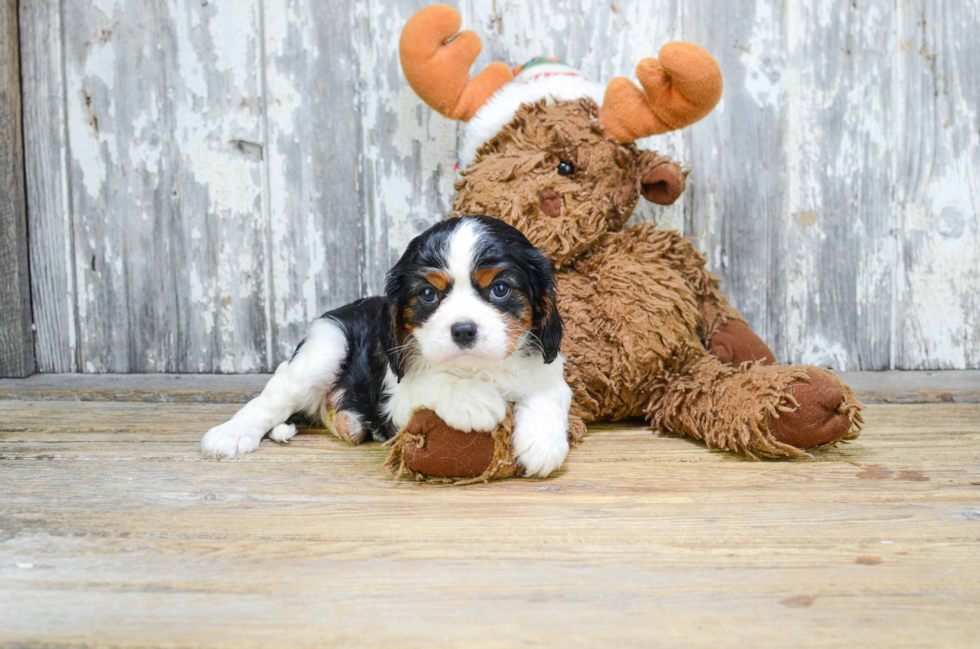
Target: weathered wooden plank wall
[205,178]
[937,185]
[16,336]
[46,161]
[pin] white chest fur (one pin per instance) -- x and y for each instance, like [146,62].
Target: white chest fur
[471,397]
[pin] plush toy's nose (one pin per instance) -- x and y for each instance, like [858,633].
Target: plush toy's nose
[550,204]
[662,185]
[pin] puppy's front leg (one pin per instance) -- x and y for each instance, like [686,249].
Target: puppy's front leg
[464,404]
[299,384]
[470,405]
[541,429]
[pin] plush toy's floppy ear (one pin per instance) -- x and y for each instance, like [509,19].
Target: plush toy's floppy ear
[680,88]
[436,60]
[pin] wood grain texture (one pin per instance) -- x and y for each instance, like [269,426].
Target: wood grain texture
[408,151]
[152,388]
[938,185]
[315,218]
[164,106]
[48,208]
[239,168]
[831,305]
[16,335]
[111,518]
[896,386]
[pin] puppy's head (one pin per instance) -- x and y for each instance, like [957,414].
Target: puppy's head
[470,291]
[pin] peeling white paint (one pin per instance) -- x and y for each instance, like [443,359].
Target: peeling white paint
[765,70]
[944,244]
[834,118]
[89,139]
[824,353]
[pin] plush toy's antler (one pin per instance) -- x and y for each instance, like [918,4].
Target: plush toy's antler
[681,88]
[437,65]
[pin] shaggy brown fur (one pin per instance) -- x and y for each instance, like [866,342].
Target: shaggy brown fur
[638,304]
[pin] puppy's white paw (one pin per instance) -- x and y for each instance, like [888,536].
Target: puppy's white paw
[235,437]
[472,406]
[283,433]
[540,443]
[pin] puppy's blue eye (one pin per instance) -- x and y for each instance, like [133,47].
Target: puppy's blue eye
[566,169]
[428,295]
[500,291]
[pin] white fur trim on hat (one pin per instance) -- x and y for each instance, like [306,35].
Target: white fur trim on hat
[552,85]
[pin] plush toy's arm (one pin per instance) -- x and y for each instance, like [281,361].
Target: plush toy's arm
[716,311]
[725,332]
[721,327]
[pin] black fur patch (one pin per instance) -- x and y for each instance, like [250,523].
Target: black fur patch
[362,373]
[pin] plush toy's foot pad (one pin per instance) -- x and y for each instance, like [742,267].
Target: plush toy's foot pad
[735,343]
[446,452]
[432,451]
[818,419]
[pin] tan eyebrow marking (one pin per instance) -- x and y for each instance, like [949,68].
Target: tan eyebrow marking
[438,278]
[485,276]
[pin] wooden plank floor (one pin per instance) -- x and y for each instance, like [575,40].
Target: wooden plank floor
[113,531]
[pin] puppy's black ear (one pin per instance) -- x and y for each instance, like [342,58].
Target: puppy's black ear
[549,329]
[392,327]
[389,340]
[547,321]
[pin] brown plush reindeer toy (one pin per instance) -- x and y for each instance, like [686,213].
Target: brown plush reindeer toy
[648,333]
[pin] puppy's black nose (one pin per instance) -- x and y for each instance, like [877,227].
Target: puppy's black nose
[464,333]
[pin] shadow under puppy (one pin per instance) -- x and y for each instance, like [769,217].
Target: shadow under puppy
[468,326]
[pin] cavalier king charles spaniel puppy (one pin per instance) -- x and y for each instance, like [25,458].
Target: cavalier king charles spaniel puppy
[467,325]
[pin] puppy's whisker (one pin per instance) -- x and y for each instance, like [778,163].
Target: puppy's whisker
[411,343]
[530,340]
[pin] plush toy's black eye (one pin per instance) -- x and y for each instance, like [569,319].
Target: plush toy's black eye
[566,169]
[500,291]
[428,295]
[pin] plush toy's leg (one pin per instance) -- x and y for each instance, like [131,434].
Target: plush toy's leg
[755,410]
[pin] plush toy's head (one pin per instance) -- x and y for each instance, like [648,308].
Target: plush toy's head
[546,149]
[554,175]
